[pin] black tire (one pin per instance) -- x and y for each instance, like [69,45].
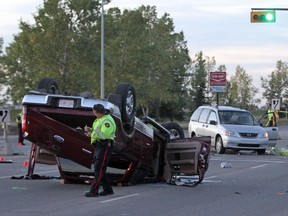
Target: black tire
[219,145]
[48,85]
[175,130]
[128,104]
[138,176]
[154,172]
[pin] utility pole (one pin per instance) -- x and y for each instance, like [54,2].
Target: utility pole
[102,51]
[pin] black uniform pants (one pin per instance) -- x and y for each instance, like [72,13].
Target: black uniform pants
[102,155]
[20,133]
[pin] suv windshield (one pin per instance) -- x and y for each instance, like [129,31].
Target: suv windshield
[236,117]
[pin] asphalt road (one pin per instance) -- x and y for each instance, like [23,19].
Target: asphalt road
[254,185]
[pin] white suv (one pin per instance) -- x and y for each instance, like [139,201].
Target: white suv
[229,128]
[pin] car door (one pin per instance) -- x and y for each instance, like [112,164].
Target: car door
[202,124]
[273,132]
[189,156]
[59,138]
[211,125]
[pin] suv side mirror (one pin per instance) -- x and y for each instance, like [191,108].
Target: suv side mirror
[213,122]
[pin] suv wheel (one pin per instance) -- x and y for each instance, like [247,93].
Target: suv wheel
[219,146]
[128,104]
[138,175]
[48,85]
[175,129]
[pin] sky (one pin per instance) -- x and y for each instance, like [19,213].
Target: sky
[220,29]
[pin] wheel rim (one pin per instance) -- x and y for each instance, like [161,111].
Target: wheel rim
[174,134]
[218,145]
[52,90]
[129,103]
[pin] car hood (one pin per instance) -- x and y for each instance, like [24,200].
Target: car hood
[243,128]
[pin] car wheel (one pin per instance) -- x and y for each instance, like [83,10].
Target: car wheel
[48,85]
[219,146]
[128,104]
[138,175]
[154,172]
[261,151]
[175,129]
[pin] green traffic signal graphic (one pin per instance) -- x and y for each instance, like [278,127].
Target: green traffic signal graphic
[263,16]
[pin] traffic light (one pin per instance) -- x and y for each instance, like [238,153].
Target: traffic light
[263,16]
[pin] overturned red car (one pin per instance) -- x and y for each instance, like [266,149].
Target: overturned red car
[144,150]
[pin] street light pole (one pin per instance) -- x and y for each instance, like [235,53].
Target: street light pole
[102,50]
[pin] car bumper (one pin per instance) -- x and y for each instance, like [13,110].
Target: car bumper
[242,143]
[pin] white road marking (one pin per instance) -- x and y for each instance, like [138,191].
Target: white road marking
[19,188]
[255,167]
[206,180]
[245,160]
[211,177]
[211,181]
[3,177]
[118,198]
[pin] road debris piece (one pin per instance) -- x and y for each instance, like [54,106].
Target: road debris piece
[226,165]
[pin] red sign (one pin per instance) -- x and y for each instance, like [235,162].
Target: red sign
[217,78]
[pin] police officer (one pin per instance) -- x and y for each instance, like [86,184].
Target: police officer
[19,126]
[271,117]
[102,135]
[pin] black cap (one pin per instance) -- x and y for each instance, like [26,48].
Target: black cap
[99,108]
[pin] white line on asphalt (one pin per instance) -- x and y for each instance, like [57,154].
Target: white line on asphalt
[211,177]
[211,181]
[255,167]
[3,177]
[244,160]
[207,179]
[118,198]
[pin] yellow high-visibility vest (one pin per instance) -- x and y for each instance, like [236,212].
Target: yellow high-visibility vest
[103,128]
[270,113]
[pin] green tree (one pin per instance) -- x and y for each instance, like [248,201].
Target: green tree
[63,43]
[198,81]
[3,78]
[242,89]
[275,86]
[146,51]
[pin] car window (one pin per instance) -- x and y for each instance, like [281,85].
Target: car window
[212,117]
[196,114]
[236,117]
[204,115]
